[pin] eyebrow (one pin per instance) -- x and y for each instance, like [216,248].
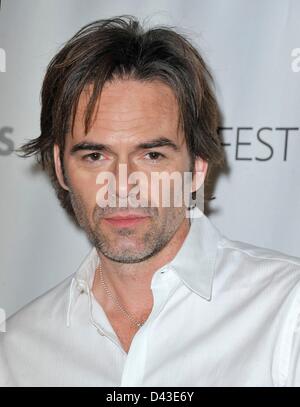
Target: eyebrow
[154,143]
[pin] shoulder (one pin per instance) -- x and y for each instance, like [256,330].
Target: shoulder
[29,331]
[257,252]
[266,284]
[258,263]
[252,272]
[38,317]
[31,334]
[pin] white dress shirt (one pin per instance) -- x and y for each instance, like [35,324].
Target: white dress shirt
[225,313]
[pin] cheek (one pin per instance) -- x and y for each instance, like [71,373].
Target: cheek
[84,185]
[166,188]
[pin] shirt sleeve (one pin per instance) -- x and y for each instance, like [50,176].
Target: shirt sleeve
[294,370]
[5,374]
[286,361]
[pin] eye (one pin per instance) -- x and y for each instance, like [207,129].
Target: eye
[92,157]
[154,155]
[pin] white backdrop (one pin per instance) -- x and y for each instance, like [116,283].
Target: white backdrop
[252,49]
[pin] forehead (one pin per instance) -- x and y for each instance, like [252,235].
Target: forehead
[130,105]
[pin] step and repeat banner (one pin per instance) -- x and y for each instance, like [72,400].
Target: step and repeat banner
[253,50]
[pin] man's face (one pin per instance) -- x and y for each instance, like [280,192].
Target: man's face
[130,113]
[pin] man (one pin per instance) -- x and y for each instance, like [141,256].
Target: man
[163,298]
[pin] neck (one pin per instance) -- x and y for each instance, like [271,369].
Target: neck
[131,283]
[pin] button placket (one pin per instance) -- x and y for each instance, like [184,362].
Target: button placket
[162,285]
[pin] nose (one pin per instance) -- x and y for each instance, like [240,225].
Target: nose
[122,174]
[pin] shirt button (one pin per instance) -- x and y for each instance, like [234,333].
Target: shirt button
[81,287]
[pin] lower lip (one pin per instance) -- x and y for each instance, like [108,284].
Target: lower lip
[125,222]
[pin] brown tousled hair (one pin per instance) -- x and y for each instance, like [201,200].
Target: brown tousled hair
[120,47]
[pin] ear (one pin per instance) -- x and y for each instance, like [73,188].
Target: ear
[58,167]
[200,170]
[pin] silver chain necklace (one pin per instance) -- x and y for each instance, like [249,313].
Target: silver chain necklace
[116,301]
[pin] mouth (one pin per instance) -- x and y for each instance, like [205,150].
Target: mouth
[126,221]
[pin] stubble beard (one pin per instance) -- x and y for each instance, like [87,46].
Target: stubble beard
[159,233]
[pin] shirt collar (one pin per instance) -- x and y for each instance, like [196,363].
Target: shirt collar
[194,263]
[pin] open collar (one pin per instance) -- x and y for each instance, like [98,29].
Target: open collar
[194,262]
